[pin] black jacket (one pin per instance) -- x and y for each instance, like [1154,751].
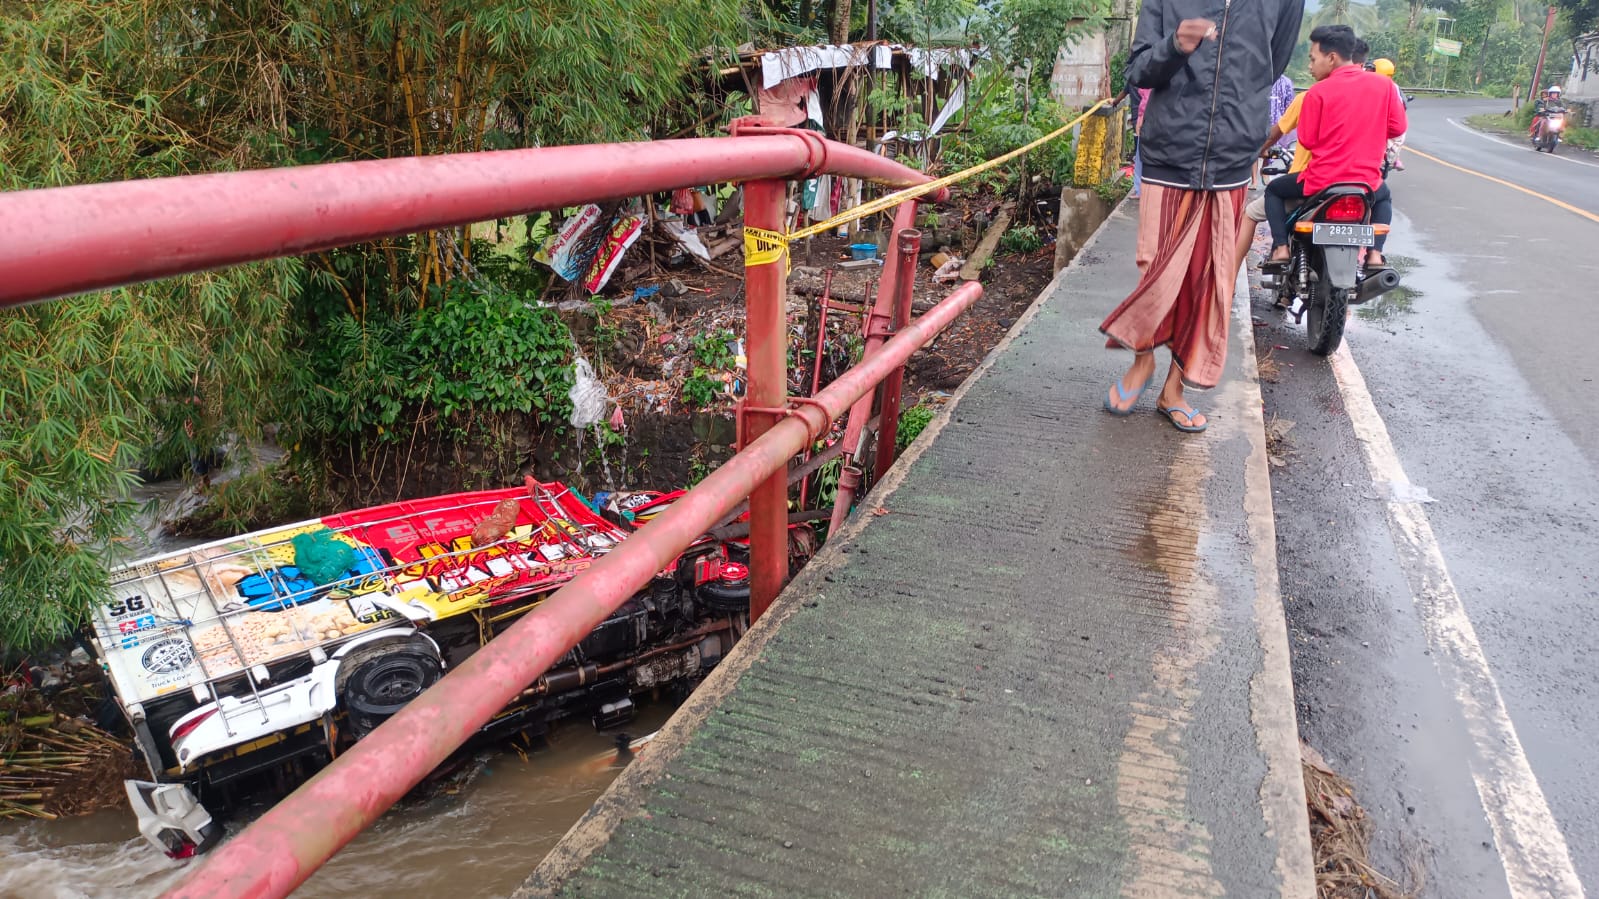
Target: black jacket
[1208,112]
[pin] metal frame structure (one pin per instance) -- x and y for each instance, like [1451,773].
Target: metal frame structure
[62,241]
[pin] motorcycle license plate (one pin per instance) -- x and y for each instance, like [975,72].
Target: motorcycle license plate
[1328,234]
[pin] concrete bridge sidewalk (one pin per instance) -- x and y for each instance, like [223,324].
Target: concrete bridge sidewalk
[1047,658]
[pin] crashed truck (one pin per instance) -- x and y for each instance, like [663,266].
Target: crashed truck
[249,663]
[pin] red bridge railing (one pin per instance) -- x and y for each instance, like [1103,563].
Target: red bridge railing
[63,241]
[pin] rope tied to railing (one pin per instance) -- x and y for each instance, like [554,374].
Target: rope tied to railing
[762,247]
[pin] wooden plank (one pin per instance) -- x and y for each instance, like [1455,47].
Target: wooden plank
[985,247]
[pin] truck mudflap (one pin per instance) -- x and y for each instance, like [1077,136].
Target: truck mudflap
[171,818]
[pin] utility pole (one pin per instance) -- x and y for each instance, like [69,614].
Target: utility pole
[871,20]
[1537,75]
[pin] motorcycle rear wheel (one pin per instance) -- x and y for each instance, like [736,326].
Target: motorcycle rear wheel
[1325,316]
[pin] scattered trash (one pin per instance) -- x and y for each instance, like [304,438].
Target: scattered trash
[644,293]
[1404,492]
[588,395]
[687,239]
[949,271]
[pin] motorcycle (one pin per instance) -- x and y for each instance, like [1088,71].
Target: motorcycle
[1551,123]
[1324,274]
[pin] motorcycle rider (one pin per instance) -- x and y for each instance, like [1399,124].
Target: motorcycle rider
[1345,146]
[1385,68]
[1549,102]
[1255,212]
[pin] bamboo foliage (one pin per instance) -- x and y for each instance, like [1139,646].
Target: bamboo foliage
[98,90]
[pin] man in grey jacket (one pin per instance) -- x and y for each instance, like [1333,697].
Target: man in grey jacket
[1210,65]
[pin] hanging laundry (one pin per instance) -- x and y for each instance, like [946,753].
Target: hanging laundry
[787,103]
[819,202]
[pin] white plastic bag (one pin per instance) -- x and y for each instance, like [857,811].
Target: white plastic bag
[588,396]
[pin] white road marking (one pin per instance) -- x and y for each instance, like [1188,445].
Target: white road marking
[1514,146]
[1536,861]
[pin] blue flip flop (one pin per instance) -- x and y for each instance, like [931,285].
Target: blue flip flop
[1188,413]
[1123,396]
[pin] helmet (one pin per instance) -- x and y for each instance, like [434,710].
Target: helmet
[1384,67]
[1554,89]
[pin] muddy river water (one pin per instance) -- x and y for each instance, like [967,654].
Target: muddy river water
[481,840]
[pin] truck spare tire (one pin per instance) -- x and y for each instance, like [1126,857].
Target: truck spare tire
[376,681]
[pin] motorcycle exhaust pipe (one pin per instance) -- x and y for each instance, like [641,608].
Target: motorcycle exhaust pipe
[1376,284]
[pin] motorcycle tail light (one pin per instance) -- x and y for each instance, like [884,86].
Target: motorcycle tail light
[1345,209]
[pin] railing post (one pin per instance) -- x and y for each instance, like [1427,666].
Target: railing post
[910,248]
[879,326]
[766,346]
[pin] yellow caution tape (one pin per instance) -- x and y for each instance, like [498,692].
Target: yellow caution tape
[762,247]
[910,193]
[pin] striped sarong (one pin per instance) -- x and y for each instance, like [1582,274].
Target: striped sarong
[1184,295]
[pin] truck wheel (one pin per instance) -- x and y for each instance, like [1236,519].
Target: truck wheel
[724,597]
[375,682]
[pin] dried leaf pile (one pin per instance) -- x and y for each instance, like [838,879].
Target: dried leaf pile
[1340,834]
[52,765]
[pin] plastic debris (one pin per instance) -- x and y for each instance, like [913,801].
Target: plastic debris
[949,271]
[1404,492]
[588,396]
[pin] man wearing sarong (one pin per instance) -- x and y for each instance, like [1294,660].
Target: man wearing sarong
[1202,129]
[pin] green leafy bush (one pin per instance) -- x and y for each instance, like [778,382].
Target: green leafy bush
[912,422]
[999,126]
[491,351]
[701,389]
[1021,239]
[713,353]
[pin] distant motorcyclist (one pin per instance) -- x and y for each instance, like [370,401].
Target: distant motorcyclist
[1548,103]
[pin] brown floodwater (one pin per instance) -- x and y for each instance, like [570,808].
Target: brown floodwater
[481,839]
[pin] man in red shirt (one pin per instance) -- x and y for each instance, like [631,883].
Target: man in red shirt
[1348,117]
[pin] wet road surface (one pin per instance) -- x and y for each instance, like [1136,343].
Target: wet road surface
[1442,649]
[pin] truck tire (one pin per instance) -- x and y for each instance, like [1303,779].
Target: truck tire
[375,682]
[721,597]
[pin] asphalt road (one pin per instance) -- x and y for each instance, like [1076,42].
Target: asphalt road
[1444,649]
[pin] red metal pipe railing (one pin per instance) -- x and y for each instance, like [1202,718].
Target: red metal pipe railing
[905,259]
[66,240]
[879,324]
[62,241]
[766,342]
[284,846]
